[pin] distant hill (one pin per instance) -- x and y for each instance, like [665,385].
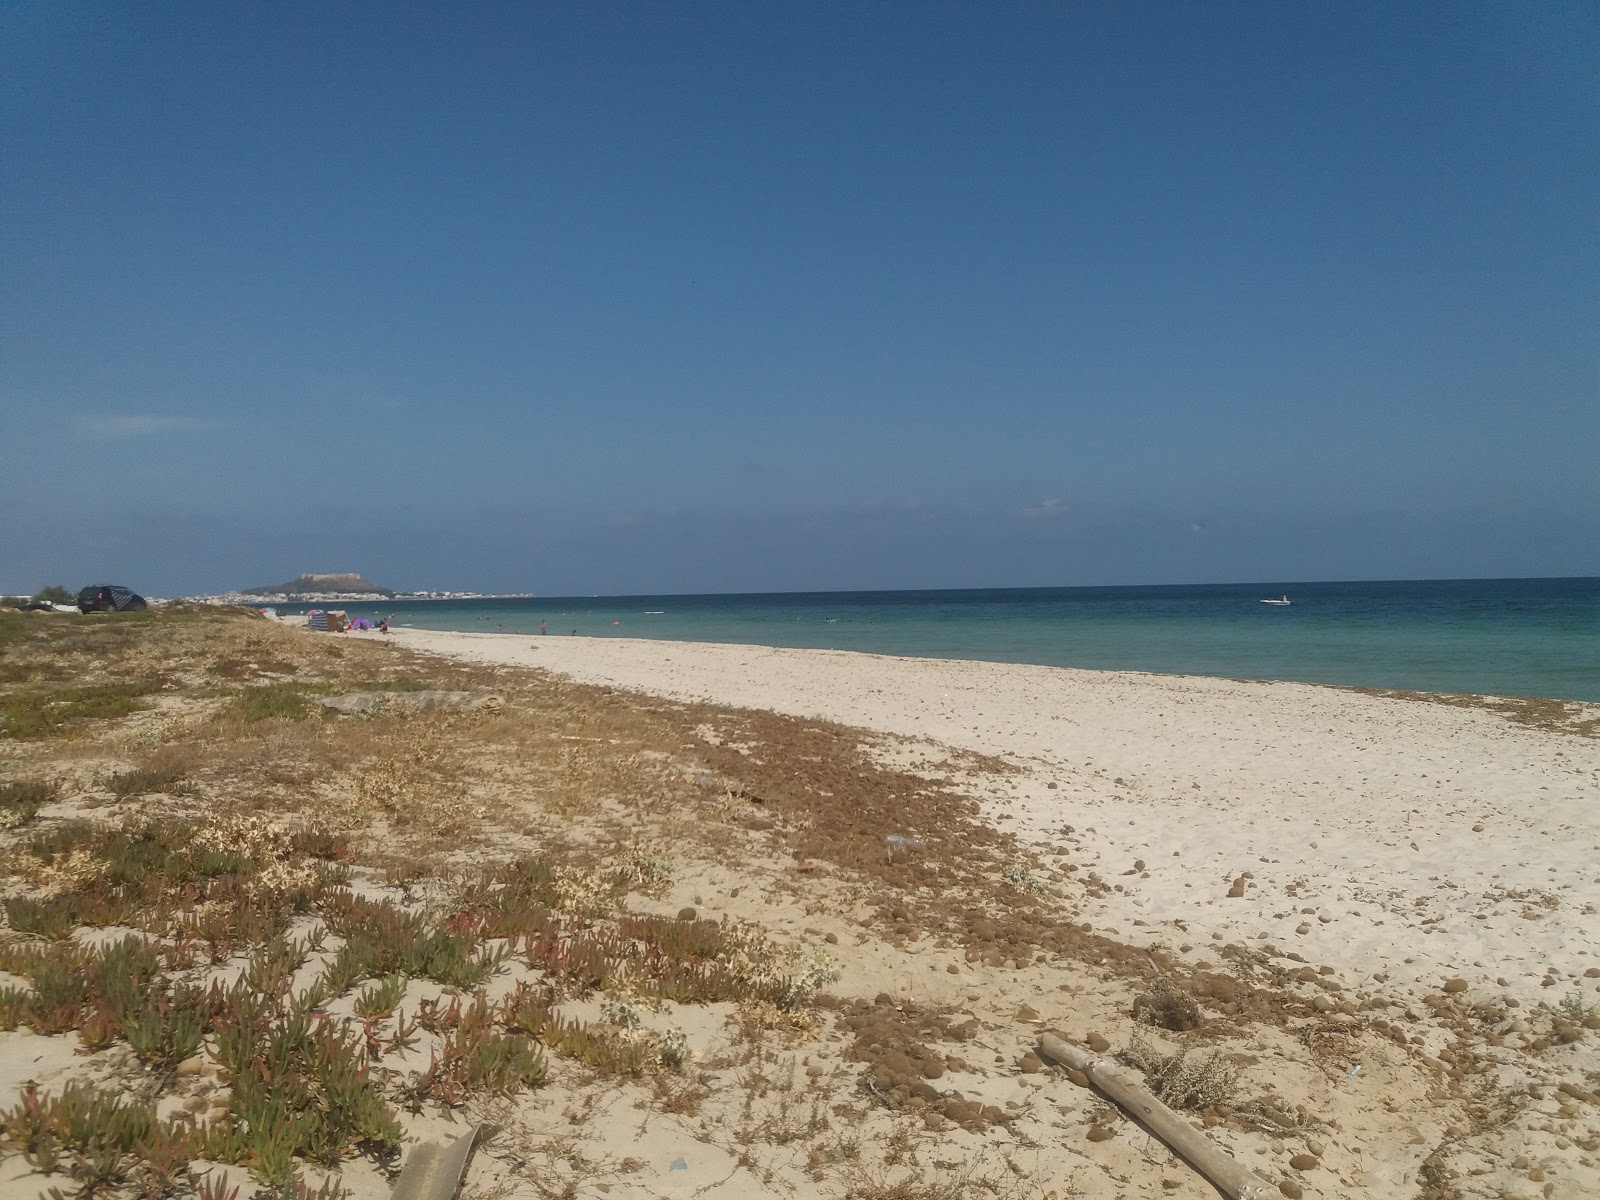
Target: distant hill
[316,585]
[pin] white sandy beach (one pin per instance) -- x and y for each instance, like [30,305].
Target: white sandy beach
[1431,867]
[1416,842]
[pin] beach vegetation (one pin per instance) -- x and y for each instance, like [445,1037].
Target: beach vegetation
[163,773]
[21,800]
[1018,876]
[1574,1007]
[54,713]
[270,702]
[1181,1080]
[382,998]
[101,1139]
[239,668]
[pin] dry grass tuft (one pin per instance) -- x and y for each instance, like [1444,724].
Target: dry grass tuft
[1181,1081]
[21,801]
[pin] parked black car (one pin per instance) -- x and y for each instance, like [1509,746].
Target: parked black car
[109,597]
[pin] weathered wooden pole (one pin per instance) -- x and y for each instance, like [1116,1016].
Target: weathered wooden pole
[1194,1147]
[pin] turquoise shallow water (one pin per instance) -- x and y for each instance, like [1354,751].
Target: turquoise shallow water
[1515,637]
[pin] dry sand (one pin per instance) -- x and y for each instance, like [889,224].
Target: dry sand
[1416,842]
[1415,891]
[1425,873]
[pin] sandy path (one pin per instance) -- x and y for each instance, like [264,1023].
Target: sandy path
[1415,840]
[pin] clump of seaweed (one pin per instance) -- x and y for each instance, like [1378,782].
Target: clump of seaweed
[1167,1008]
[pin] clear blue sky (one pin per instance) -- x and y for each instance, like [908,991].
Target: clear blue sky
[715,297]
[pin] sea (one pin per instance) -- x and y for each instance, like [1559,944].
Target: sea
[1509,637]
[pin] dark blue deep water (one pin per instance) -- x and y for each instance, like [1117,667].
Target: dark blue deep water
[1514,637]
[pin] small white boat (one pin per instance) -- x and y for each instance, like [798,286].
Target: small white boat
[1281,600]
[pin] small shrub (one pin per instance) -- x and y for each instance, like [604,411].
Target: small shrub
[317,842]
[21,802]
[270,702]
[606,1048]
[526,1010]
[52,918]
[13,1006]
[122,974]
[212,1188]
[166,1028]
[380,939]
[1573,1007]
[50,714]
[143,781]
[272,966]
[381,999]
[1179,1080]
[103,1140]
[474,1057]
[300,1088]
[1019,877]
[240,669]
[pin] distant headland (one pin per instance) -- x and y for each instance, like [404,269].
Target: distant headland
[343,585]
[338,586]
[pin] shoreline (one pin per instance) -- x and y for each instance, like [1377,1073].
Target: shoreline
[1376,834]
[1528,639]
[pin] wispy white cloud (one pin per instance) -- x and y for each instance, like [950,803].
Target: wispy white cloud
[1198,527]
[1045,510]
[132,425]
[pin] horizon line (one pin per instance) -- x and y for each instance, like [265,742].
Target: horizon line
[1277,583]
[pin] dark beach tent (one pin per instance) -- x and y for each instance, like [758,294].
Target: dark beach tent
[109,597]
[317,619]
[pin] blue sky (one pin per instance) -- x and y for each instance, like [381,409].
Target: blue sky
[705,297]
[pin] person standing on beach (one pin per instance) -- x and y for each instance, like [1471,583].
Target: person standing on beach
[544,627]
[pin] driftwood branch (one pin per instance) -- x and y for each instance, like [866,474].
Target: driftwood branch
[1194,1147]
